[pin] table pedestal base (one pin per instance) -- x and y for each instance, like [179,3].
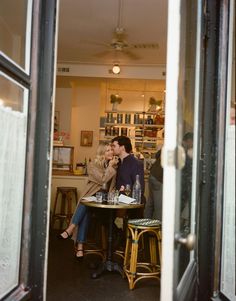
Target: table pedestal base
[107,266]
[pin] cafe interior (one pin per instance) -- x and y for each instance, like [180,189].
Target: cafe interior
[74,73]
[111,67]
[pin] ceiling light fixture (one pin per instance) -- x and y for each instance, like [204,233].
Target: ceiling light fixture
[116,69]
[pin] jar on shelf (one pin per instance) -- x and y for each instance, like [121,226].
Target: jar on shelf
[127,118]
[119,118]
[124,131]
[115,131]
[110,118]
[107,130]
[136,119]
[149,120]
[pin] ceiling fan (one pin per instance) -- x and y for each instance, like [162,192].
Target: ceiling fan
[119,45]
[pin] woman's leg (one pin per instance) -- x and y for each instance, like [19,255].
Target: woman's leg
[82,235]
[76,219]
[83,227]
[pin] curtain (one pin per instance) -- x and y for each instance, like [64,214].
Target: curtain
[12,169]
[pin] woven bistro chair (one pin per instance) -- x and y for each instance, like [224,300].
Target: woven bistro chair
[134,269]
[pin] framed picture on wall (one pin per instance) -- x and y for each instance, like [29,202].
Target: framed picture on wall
[86,138]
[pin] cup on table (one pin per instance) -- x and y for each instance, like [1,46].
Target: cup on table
[116,197]
[111,196]
[127,190]
[99,196]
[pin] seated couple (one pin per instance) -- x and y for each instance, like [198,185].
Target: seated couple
[106,168]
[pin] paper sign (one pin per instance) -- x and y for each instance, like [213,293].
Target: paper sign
[125,199]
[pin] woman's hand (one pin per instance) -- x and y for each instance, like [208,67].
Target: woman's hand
[122,188]
[114,161]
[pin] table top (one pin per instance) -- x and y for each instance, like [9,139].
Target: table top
[111,206]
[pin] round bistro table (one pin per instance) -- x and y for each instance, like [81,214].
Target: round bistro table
[109,264]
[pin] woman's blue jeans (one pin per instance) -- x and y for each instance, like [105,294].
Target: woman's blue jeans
[81,218]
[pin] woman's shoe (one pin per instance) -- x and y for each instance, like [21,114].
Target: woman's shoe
[79,255]
[67,237]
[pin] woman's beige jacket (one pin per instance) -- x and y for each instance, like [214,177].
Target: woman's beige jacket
[97,175]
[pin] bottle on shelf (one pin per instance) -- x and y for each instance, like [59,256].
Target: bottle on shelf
[119,118]
[136,191]
[136,119]
[109,118]
[115,131]
[124,131]
[149,120]
[127,118]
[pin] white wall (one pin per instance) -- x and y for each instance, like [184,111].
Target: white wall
[63,105]
[85,117]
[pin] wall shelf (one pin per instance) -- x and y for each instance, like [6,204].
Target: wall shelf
[133,119]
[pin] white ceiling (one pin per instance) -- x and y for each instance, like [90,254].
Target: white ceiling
[86,28]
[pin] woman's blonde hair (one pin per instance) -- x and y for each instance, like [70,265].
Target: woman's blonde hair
[100,154]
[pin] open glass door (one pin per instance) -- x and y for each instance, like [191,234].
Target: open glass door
[180,152]
[27,52]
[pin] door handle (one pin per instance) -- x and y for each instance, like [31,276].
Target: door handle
[188,241]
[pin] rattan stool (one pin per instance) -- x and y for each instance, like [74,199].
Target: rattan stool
[65,210]
[135,230]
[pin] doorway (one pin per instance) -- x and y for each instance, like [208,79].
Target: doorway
[79,86]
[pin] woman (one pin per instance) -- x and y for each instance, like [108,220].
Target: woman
[102,170]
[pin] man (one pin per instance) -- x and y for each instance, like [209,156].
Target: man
[129,166]
[153,207]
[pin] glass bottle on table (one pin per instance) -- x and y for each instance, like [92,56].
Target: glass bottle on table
[136,192]
[104,191]
[127,190]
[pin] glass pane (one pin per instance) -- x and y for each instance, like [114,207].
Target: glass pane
[13,123]
[15,30]
[228,264]
[186,124]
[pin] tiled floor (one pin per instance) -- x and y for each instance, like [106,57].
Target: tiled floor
[69,280]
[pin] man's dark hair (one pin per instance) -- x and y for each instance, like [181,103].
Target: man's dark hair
[124,140]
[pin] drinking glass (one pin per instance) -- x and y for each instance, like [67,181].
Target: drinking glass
[127,190]
[99,196]
[116,197]
[111,196]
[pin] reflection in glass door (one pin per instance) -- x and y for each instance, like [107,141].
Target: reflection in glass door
[185,123]
[180,158]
